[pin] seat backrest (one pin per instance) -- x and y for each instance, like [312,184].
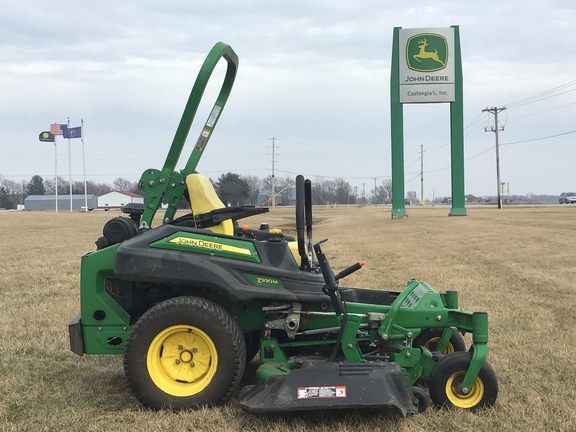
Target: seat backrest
[203,199]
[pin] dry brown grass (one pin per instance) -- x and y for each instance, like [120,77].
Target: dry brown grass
[516,263]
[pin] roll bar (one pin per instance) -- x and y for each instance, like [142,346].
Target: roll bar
[156,183]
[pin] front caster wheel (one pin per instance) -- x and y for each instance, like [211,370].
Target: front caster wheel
[184,353]
[447,375]
[421,397]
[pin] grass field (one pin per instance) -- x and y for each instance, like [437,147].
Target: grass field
[516,263]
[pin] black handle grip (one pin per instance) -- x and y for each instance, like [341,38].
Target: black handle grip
[349,270]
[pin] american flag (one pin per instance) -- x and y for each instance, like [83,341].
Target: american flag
[56,129]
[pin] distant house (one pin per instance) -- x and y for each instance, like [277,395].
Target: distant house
[118,199]
[48,202]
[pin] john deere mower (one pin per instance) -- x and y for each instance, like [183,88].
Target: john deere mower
[190,302]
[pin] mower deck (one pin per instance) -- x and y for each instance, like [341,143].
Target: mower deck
[320,385]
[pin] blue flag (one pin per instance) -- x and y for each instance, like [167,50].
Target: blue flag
[75,132]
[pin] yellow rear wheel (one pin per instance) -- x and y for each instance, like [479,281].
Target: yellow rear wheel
[182,360]
[184,353]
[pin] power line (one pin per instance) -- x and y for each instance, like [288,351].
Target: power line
[332,177]
[539,96]
[543,98]
[478,118]
[543,111]
[538,139]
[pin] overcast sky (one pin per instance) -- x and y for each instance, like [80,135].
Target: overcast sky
[313,74]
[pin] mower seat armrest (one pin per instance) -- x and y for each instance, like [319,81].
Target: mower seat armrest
[216,216]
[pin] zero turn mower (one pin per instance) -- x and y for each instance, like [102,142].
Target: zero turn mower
[190,302]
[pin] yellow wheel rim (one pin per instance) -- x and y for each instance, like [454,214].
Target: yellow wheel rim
[457,398]
[434,342]
[182,360]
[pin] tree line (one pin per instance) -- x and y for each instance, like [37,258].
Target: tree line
[232,188]
[237,189]
[13,193]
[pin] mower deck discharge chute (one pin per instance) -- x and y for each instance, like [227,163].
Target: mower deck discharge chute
[190,302]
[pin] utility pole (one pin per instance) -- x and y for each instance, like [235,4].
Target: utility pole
[273,158]
[363,194]
[422,173]
[375,194]
[495,129]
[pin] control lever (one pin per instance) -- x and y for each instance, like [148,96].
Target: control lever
[331,289]
[327,272]
[331,280]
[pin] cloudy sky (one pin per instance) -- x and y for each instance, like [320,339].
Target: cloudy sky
[315,75]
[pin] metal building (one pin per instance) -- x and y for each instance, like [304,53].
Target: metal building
[118,199]
[48,202]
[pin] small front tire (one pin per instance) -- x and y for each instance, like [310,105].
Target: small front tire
[421,398]
[447,375]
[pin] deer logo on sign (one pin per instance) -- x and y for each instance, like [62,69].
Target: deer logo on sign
[423,54]
[427,52]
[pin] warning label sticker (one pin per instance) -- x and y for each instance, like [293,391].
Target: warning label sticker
[321,392]
[213,116]
[202,139]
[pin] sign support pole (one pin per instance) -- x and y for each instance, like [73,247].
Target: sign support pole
[457,134]
[397,133]
[56,170]
[83,164]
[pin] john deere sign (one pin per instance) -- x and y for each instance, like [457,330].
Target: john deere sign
[426,68]
[426,65]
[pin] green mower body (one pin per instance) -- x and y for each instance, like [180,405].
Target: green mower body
[189,303]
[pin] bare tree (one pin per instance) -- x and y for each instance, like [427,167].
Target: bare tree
[253,187]
[321,191]
[383,193]
[122,184]
[97,189]
[50,185]
[14,190]
[342,191]
[412,196]
[280,183]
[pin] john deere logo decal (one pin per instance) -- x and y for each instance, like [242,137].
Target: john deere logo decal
[427,52]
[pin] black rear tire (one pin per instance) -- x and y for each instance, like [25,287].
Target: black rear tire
[183,353]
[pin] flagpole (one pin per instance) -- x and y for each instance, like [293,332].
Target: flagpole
[83,164]
[70,166]
[56,170]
